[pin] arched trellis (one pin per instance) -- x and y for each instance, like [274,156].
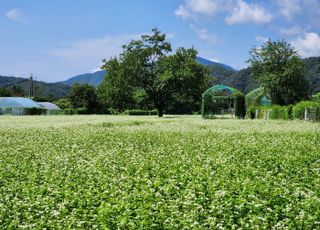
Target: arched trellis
[219,99]
[257,97]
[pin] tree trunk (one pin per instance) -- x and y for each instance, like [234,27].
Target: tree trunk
[160,111]
[160,108]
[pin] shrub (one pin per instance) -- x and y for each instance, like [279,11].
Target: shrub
[289,113]
[82,111]
[252,112]
[139,112]
[240,106]
[35,111]
[278,112]
[69,112]
[299,109]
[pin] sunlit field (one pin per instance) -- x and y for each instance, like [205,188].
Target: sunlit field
[100,172]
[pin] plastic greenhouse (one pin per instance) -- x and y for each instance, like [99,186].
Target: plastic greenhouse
[16,105]
[220,100]
[48,105]
[257,97]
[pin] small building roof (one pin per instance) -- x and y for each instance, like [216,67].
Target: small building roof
[48,105]
[17,102]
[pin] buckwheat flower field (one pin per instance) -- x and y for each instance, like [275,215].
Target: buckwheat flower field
[121,172]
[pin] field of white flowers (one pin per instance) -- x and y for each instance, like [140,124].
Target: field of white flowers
[100,172]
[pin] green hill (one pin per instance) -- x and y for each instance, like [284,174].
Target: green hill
[221,74]
[41,89]
[243,81]
[312,66]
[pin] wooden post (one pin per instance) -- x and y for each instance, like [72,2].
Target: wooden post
[306,114]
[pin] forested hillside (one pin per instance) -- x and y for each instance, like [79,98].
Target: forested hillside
[41,89]
[221,74]
[312,66]
[243,81]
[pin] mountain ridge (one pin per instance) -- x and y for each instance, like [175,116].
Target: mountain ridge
[221,74]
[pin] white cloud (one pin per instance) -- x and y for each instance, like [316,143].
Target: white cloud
[261,39]
[245,13]
[96,69]
[204,35]
[191,8]
[206,7]
[239,11]
[86,55]
[308,45]
[183,13]
[16,15]
[93,50]
[289,8]
[218,60]
[295,30]
[170,35]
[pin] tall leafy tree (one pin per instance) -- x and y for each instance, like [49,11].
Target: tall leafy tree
[83,96]
[148,64]
[280,70]
[4,92]
[16,91]
[115,91]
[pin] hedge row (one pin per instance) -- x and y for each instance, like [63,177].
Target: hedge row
[40,111]
[289,112]
[139,112]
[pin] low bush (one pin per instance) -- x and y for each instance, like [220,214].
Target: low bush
[252,112]
[69,111]
[139,112]
[35,111]
[299,109]
[289,112]
[240,106]
[82,111]
[278,112]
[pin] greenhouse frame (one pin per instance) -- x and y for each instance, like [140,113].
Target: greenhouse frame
[25,106]
[220,99]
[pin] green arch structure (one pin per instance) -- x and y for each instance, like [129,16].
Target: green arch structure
[221,98]
[257,97]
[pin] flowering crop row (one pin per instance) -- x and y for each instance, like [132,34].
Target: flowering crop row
[124,172]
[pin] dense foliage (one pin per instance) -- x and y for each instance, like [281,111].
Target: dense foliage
[240,106]
[83,96]
[104,172]
[281,72]
[221,99]
[147,64]
[312,70]
[20,87]
[288,112]
[244,81]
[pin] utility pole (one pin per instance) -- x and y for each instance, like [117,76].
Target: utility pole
[31,86]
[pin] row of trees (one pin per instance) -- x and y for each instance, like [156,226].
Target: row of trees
[280,70]
[14,91]
[147,75]
[147,72]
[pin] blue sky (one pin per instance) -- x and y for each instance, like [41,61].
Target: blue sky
[59,39]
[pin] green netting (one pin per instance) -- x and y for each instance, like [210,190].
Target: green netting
[257,97]
[219,99]
[222,90]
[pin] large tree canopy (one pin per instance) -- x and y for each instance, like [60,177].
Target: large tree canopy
[83,96]
[148,64]
[280,70]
